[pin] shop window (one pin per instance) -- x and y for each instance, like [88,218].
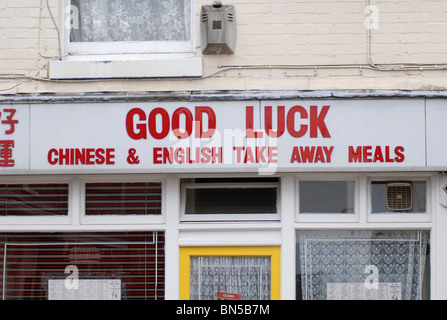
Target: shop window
[370,265]
[33,199]
[326,196]
[138,198]
[234,199]
[398,196]
[130,26]
[82,266]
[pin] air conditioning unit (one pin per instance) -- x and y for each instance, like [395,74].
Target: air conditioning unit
[399,196]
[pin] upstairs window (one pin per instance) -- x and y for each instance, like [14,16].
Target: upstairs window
[129,26]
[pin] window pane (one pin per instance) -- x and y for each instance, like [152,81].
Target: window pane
[140,198]
[230,200]
[132,20]
[370,265]
[34,265]
[381,203]
[246,277]
[327,196]
[33,199]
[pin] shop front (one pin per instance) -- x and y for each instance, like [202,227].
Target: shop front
[223,198]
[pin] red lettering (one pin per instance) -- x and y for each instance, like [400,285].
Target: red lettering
[311,154]
[269,124]
[381,154]
[157,155]
[378,156]
[239,153]
[316,125]
[387,154]
[291,121]
[176,123]
[159,123]
[355,156]
[272,153]
[307,154]
[52,156]
[187,155]
[88,156]
[139,131]
[249,156]
[400,157]
[100,159]
[367,153]
[260,154]
[110,156]
[317,122]
[249,119]
[153,123]
[10,121]
[206,155]
[200,111]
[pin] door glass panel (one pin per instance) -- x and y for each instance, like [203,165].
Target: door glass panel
[238,278]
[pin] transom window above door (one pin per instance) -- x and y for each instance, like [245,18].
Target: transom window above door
[232,199]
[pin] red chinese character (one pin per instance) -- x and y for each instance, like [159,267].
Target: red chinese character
[6,153]
[10,121]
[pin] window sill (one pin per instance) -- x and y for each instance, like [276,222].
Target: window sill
[165,67]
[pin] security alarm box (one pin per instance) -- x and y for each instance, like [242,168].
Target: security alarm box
[218,29]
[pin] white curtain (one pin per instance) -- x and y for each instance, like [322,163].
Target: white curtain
[132,20]
[247,276]
[334,257]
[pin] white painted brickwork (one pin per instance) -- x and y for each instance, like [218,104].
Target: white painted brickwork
[281,45]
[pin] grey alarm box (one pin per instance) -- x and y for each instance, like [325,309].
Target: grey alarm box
[218,29]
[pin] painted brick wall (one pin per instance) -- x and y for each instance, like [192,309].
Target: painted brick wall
[281,45]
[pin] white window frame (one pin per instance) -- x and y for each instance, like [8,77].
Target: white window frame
[10,221]
[125,59]
[328,217]
[402,217]
[269,217]
[121,219]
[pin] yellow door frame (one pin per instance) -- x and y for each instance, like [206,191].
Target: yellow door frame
[262,251]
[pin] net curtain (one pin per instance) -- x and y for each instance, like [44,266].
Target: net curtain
[131,20]
[342,257]
[247,276]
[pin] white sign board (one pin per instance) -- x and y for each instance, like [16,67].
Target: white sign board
[436,134]
[358,291]
[87,289]
[223,136]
